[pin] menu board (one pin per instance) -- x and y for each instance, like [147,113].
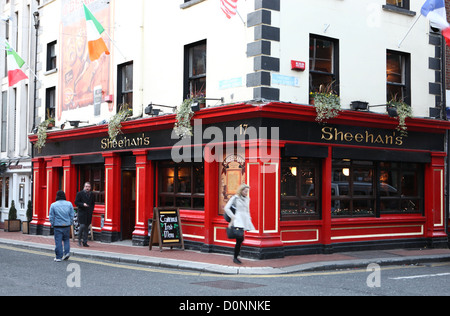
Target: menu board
[166,228]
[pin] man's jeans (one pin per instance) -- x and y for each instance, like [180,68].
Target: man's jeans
[62,234]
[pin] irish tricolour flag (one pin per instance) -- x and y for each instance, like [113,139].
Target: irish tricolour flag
[434,10]
[15,64]
[96,44]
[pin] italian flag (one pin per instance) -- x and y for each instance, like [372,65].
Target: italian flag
[96,44]
[15,64]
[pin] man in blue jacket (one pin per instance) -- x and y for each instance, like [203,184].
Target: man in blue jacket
[61,218]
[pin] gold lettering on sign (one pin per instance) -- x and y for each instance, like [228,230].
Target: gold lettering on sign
[126,142]
[366,137]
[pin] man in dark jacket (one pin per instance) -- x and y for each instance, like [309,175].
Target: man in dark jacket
[85,202]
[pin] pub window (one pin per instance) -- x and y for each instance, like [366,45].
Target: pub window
[95,174]
[323,63]
[366,188]
[125,85]
[398,76]
[401,188]
[352,188]
[182,185]
[300,189]
[195,70]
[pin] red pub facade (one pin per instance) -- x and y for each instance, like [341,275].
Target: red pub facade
[353,182]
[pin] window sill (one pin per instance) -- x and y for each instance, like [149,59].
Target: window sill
[51,71]
[190,4]
[393,8]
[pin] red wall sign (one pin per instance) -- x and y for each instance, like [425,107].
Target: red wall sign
[298,65]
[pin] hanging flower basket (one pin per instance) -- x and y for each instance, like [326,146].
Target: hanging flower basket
[327,105]
[403,111]
[183,127]
[115,123]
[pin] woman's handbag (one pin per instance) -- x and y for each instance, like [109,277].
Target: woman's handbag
[235,232]
[233,209]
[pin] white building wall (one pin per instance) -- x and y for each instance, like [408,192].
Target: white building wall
[153,34]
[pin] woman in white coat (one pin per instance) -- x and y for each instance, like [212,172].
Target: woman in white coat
[242,218]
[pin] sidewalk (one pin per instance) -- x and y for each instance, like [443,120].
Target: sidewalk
[223,264]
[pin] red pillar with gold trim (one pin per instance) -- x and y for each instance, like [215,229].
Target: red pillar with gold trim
[144,197]
[113,184]
[435,199]
[39,200]
[70,179]
[263,177]
[211,181]
[326,201]
[52,186]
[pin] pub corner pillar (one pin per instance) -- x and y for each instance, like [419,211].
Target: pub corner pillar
[435,201]
[144,201]
[263,166]
[39,197]
[111,229]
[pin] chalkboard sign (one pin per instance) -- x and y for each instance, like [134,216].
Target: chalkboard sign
[166,228]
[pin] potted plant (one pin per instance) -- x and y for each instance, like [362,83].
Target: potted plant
[359,105]
[184,113]
[115,123]
[12,224]
[327,103]
[402,111]
[26,224]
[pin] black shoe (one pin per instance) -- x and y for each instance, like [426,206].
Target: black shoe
[85,244]
[79,242]
[236,260]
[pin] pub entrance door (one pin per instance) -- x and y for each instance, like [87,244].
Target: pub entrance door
[128,203]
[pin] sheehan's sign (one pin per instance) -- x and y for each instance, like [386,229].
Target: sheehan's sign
[391,138]
[125,142]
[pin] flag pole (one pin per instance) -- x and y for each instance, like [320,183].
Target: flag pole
[240,16]
[115,45]
[407,33]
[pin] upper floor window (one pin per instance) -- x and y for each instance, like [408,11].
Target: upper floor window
[323,63]
[195,70]
[51,56]
[398,76]
[125,85]
[50,102]
[404,4]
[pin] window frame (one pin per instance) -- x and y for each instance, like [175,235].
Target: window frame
[189,78]
[334,74]
[378,186]
[176,194]
[301,164]
[89,173]
[403,5]
[122,93]
[51,56]
[405,85]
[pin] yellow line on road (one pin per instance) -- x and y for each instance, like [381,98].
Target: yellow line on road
[155,270]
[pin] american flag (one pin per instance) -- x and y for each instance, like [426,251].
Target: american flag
[229,7]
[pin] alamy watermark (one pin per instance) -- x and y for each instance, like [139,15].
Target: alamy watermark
[253,144]
[374,278]
[74,277]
